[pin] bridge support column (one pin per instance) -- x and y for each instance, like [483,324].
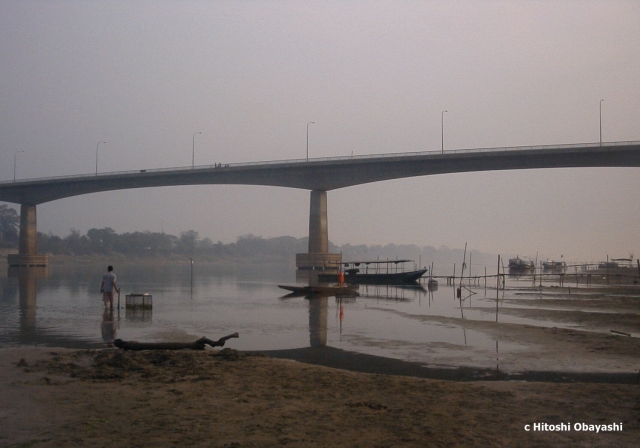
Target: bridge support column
[318,226]
[28,243]
[318,257]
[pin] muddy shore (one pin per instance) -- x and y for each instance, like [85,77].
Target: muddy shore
[224,398]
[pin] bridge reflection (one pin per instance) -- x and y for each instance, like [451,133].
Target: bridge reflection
[27,294]
[319,303]
[29,332]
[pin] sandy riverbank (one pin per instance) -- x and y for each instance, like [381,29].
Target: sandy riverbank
[59,397]
[309,397]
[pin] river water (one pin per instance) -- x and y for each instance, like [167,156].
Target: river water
[61,306]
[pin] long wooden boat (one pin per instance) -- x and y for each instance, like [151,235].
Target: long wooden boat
[345,290]
[376,272]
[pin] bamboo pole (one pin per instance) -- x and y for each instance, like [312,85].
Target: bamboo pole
[497,287]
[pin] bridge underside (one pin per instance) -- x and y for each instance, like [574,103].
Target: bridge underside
[326,175]
[317,258]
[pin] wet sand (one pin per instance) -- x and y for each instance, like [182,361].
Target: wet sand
[55,398]
[329,397]
[539,348]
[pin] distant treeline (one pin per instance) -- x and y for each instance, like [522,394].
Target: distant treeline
[247,248]
[154,244]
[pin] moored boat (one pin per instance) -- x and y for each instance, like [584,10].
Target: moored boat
[518,264]
[374,272]
[551,265]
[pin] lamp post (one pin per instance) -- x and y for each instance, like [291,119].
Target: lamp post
[97,155]
[15,158]
[311,122]
[193,150]
[442,128]
[601,121]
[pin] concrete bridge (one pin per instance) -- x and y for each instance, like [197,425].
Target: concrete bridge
[318,175]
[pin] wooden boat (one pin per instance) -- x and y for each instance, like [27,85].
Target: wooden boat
[551,265]
[608,265]
[519,265]
[376,272]
[345,290]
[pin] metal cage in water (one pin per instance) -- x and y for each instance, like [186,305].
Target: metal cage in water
[139,301]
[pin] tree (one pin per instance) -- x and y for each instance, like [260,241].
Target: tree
[102,240]
[188,242]
[77,244]
[9,226]
[50,244]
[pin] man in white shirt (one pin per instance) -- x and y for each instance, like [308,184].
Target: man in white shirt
[107,287]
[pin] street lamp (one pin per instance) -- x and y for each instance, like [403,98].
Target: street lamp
[15,157]
[97,155]
[193,150]
[311,122]
[442,128]
[601,122]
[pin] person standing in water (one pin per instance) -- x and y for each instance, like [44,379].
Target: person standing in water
[107,287]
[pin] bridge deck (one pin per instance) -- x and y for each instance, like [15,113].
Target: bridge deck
[330,173]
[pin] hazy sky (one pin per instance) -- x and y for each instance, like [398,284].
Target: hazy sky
[374,76]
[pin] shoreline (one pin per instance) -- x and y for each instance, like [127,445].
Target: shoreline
[350,361]
[359,362]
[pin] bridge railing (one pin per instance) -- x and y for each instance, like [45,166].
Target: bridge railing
[326,159]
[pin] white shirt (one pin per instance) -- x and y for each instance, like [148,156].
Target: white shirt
[108,279]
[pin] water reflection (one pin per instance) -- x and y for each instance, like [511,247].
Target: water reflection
[70,313]
[139,314]
[395,321]
[108,327]
[28,294]
[400,293]
[318,308]
[32,328]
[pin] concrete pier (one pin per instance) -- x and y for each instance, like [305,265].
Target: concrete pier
[318,225]
[318,257]
[28,245]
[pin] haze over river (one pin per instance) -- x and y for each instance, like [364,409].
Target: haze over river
[62,306]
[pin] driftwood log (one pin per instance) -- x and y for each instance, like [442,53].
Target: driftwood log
[197,345]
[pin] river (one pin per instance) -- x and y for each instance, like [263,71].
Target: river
[61,306]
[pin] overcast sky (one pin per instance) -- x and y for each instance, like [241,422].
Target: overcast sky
[374,76]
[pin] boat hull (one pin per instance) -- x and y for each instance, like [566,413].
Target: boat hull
[377,278]
[320,290]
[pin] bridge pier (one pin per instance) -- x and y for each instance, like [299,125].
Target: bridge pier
[28,244]
[318,256]
[318,226]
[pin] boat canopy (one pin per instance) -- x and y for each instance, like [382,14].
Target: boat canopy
[368,262]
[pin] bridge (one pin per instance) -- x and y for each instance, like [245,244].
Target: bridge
[319,175]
